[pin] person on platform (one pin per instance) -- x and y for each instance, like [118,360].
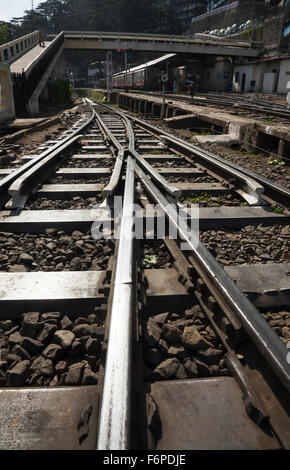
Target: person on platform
[41,39]
[193,89]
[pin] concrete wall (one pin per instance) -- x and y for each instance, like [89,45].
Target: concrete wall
[270,77]
[217,76]
[272,32]
[284,77]
[273,19]
[245,10]
[7,110]
[269,82]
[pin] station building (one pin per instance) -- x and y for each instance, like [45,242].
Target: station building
[96,71]
[269,75]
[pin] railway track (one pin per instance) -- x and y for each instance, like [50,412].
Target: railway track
[156,340]
[245,103]
[233,101]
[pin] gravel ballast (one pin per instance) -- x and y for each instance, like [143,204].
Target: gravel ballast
[181,346]
[98,163]
[53,251]
[76,203]
[62,180]
[280,322]
[50,349]
[249,245]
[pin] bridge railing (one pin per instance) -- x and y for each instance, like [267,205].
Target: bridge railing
[12,50]
[25,83]
[157,38]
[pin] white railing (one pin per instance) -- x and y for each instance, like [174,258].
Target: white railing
[133,38]
[215,11]
[11,51]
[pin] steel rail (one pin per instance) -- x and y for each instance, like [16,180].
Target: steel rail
[28,183]
[168,187]
[252,190]
[276,191]
[115,406]
[246,105]
[274,188]
[6,182]
[114,423]
[116,174]
[227,292]
[278,110]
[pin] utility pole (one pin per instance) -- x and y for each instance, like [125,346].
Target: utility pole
[146,73]
[109,72]
[32,5]
[126,68]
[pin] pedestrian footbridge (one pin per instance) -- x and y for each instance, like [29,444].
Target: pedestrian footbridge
[161,43]
[30,67]
[26,67]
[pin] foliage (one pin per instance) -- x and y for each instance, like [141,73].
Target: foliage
[149,260]
[255,155]
[277,163]
[203,198]
[94,95]
[4,33]
[277,210]
[60,92]
[53,16]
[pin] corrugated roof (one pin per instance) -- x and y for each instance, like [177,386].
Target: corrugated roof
[149,64]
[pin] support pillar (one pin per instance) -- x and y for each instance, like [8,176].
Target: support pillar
[109,71]
[284,148]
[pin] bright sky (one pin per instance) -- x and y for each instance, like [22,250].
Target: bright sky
[15,8]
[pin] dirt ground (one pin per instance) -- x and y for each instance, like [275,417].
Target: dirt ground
[27,142]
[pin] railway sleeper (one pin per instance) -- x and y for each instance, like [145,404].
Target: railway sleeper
[188,422]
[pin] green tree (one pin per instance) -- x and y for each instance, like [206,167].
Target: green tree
[53,16]
[4,33]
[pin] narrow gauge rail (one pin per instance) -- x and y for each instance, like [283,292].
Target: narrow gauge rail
[169,403]
[195,336]
[53,274]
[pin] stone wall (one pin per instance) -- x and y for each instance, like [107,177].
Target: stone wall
[273,32]
[243,12]
[217,75]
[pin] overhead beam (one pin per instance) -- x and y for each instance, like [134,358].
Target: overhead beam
[167,47]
